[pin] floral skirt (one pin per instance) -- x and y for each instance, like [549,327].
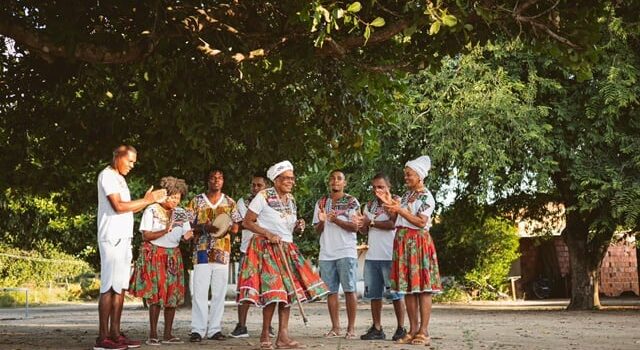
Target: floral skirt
[415,264]
[158,276]
[263,277]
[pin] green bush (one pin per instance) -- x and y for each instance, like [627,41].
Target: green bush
[477,247]
[42,267]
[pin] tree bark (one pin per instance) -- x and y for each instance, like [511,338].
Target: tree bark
[586,259]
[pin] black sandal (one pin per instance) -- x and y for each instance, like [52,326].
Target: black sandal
[218,336]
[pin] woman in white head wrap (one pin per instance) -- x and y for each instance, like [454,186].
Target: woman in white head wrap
[414,270]
[263,280]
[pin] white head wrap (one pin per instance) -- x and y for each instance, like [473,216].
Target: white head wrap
[420,165]
[278,169]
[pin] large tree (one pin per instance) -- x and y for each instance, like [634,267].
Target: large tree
[518,130]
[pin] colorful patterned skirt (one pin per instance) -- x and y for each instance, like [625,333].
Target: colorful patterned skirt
[415,264]
[158,276]
[263,277]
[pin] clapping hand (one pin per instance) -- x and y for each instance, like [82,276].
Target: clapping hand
[157,196]
[188,235]
[322,216]
[300,225]
[358,219]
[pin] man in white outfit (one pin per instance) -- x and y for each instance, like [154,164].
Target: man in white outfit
[115,230]
[210,258]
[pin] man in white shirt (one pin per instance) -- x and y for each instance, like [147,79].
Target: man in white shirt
[335,218]
[115,230]
[380,227]
[258,183]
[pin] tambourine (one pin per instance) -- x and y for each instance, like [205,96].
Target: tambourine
[222,222]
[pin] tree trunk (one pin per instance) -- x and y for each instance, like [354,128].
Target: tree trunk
[586,259]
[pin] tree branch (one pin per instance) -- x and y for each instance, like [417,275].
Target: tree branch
[46,48]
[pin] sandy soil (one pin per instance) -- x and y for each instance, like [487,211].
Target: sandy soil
[516,325]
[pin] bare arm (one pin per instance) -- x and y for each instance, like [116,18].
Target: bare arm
[150,197]
[250,224]
[153,235]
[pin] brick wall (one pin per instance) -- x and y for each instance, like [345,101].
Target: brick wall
[619,272]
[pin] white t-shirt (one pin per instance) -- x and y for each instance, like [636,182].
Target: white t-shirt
[246,234]
[380,241]
[336,242]
[154,219]
[418,203]
[111,225]
[273,215]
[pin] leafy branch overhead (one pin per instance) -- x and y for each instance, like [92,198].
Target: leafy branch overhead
[236,31]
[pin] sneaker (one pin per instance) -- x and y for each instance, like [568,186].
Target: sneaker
[272,332]
[195,337]
[218,336]
[374,334]
[239,332]
[400,333]
[108,344]
[130,343]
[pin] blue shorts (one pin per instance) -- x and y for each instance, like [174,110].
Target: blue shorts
[339,272]
[376,280]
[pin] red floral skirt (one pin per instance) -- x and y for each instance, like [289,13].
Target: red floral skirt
[415,264]
[263,277]
[158,276]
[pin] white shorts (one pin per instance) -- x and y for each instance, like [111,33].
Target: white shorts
[115,264]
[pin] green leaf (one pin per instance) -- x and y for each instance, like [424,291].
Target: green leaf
[468,27]
[378,22]
[354,7]
[435,28]
[367,33]
[449,20]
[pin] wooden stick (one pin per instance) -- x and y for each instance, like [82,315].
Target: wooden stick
[290,276]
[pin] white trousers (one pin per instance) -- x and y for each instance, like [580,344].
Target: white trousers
[206,317]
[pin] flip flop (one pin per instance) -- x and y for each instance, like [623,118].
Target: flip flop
[291,345]
[152,341]
[350,336]
[174,340]
[332,334]
[266,345]
[421,339]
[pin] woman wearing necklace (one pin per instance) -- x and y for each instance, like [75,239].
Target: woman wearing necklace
[263,279]
[158,275]
[414,270]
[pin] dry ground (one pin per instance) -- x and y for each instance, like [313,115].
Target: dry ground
[516,325]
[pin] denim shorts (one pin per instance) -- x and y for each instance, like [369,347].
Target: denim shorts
[376,280]
[339,272]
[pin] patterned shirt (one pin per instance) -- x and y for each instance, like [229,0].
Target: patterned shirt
[206,248]
[418,203]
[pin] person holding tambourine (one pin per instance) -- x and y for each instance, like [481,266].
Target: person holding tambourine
[214,216]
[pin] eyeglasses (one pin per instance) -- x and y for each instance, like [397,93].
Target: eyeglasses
[287,178]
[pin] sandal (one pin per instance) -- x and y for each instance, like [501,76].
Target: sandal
[421,339]
[332,334]
[350,336]
[152,341]
[266,345]
[404,340]
[291,345]
[173,340]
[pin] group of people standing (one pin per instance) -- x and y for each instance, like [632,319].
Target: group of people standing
[401,263]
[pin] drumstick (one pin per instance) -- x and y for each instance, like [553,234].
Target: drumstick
[290,276]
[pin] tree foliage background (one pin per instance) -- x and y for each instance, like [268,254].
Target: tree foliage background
[518,102]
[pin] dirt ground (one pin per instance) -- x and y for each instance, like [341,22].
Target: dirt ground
[511,325]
